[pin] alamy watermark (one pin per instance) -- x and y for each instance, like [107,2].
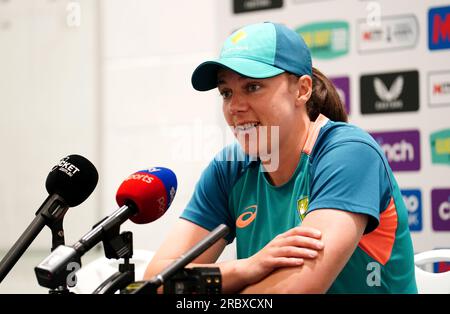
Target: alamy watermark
[71,279]
[374,14]
[199,142]
[373,279]
[73,18]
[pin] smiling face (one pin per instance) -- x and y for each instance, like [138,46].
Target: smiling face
[256,108]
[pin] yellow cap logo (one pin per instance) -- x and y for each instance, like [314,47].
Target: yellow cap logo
[238,37]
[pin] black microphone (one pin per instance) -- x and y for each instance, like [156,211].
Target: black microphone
[144,197]
[69,183]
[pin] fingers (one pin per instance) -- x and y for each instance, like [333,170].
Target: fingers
[304,231]
[299,241]
[287,262]
[296,252]
[289,249]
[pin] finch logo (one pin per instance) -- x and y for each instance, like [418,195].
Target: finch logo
[238,37]
[246,217]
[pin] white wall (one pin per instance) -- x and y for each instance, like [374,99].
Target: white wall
[115,89]
[49,108]
[152,115]
[49,101]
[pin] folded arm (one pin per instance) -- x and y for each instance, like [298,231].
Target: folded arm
[286,250]
[341,232]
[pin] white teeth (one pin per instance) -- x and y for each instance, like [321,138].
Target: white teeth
[247,126]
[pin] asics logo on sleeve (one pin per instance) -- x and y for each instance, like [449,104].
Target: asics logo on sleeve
[247,216]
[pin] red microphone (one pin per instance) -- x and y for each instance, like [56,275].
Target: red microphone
[150,191]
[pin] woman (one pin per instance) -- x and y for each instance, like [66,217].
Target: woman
[327,215]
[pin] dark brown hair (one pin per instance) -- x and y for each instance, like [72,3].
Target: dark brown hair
[324,99]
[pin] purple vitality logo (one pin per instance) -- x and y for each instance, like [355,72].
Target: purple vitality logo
[402,149]
[440,208]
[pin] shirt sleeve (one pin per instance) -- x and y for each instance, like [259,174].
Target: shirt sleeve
[351,176]
[209,204]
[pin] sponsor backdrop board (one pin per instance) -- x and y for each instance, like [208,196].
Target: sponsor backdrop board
[390,61]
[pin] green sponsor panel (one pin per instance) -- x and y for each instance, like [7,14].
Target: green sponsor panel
[326,40]
[440,147]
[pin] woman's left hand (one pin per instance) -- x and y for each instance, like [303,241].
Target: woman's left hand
[288,249]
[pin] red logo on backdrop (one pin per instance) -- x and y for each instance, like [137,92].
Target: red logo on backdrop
[442,267]
[439,28]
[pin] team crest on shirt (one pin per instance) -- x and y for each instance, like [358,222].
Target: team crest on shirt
[302,207]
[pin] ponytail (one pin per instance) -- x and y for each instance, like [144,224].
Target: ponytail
[324,99]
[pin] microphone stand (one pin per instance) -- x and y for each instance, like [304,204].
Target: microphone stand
[56,227]
[118,246]
[151,286]
[51,214]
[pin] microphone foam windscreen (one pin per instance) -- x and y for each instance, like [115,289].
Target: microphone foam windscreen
[151,191]
[74,178]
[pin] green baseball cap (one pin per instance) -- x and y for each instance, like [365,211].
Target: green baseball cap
[260,50]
